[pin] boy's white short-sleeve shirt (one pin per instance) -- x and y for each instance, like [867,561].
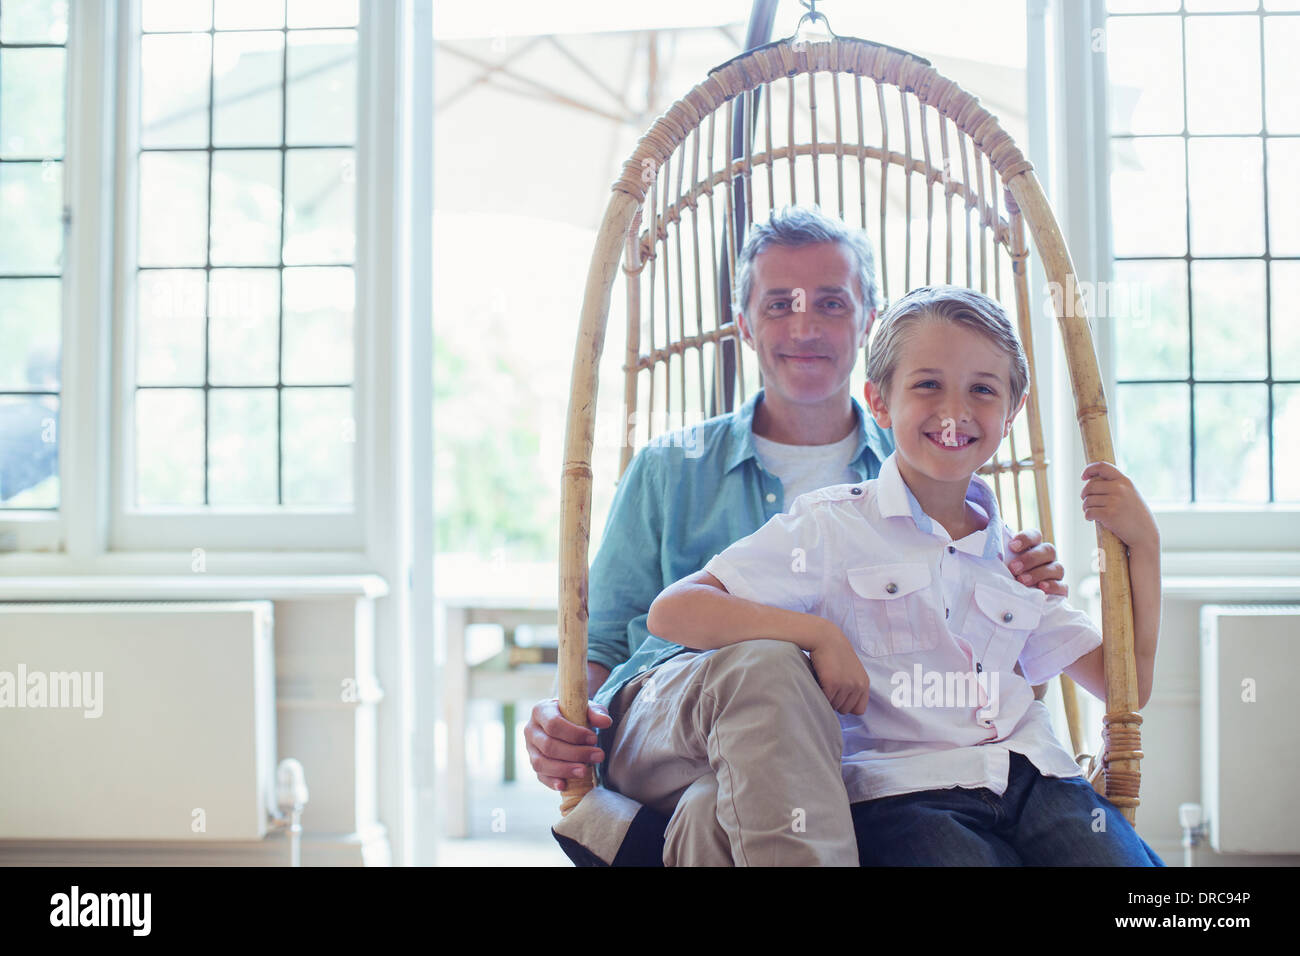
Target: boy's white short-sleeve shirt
[941,627]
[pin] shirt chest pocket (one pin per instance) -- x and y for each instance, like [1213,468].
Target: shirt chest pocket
[892,609]
[1001,622]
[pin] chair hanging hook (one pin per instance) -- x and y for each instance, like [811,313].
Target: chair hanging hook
[812,18]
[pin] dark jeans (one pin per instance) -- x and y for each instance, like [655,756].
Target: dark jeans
[1039,821]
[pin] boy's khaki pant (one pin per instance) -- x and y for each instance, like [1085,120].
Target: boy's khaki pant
[740,746]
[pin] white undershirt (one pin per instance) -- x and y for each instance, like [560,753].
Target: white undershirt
[804,468]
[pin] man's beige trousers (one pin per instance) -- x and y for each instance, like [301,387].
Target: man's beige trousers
[741,748]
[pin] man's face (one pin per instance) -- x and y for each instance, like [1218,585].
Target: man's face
[807,342]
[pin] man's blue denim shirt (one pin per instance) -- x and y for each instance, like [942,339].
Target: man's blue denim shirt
[685,497]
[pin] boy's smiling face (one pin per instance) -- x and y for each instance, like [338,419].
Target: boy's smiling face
[948,404]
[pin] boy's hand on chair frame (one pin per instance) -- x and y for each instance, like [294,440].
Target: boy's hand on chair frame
[1110,499]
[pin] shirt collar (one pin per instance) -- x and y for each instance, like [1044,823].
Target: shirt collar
[896,500]
[741,436]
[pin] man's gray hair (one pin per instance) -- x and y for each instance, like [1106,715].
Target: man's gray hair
[802,226]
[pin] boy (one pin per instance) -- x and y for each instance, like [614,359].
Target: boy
[899,581]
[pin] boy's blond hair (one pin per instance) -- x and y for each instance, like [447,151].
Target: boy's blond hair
[964,306]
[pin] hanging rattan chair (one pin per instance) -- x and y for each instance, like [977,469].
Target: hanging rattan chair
[879,137]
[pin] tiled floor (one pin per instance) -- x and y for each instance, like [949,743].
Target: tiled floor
[523,828]
[510,823]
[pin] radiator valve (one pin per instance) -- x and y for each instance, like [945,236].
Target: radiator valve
[1191,819]
[291,799]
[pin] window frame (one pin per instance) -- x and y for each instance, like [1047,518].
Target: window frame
[46,529]
[132,529]
[93,530]
[1191,528]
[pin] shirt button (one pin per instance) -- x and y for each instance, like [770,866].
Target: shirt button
[856,491]
[891,588]
[951,549]
[1007,617]
[770,497]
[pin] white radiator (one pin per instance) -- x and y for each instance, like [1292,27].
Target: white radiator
[1250,732]
[136,721]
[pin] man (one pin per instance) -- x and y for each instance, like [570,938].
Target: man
[738,746]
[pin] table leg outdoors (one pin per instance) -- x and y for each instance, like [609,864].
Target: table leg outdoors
[508,717]
[455,699]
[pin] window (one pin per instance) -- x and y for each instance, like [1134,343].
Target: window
[199,282]
[240,401]
[1204,107]
[33,112]
[245,291]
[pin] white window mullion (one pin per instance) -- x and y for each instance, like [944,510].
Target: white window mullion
[1076,121]
[417,78]
[378,191]
[120,476]
[88,291]
[383,402]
